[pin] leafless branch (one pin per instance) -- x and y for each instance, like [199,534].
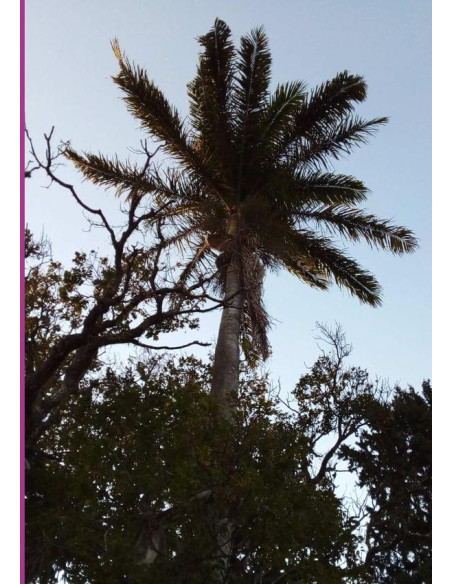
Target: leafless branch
[133,296]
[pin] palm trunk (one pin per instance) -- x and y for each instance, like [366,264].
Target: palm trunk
[226,380]
[227,353]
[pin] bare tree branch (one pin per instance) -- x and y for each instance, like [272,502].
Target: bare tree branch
[132,295]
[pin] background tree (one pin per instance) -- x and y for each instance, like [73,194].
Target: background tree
[133,494]
[393,458]
[252,188]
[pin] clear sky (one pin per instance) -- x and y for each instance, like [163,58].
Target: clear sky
[69,64]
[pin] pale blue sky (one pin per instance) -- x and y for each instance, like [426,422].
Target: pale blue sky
[69,63]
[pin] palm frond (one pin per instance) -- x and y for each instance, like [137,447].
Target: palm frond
[293,190]
[330,102]
[148,104]
[253,76]
[194,263]
[314,151]
[280,111]
[216,64]
[336,265]
[177,185]
[210,94]
[179,238]
[256,322]
[300,265]
[172,186]
[355,225]
[280,248]
[111,173]
[250,97]
[325,188]
[303,268]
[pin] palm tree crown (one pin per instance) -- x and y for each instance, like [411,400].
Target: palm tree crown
[252,188]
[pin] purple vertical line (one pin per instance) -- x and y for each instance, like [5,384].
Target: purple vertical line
[22,288]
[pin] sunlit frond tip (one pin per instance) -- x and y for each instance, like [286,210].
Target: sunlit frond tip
[117,50]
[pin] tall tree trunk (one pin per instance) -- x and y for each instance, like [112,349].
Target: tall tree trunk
[227,353]
[226,374]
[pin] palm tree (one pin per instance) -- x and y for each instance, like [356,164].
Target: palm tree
[252,188]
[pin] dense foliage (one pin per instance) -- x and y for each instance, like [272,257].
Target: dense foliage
[394,463]
[131,486]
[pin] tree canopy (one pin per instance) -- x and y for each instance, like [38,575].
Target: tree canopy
[129,484]
[135,473]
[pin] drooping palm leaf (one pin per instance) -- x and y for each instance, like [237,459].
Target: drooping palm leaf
[355,225]
[256,322]
[195,262]
[324,187]
[336,265]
